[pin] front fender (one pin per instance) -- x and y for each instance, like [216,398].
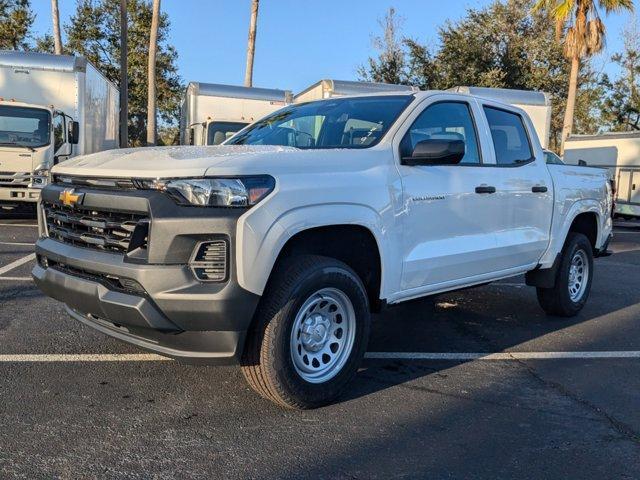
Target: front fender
[260,238]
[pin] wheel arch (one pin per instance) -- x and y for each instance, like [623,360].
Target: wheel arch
[330,230]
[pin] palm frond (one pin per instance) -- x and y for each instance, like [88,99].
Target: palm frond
[616,5]
[563,9]
[594,36]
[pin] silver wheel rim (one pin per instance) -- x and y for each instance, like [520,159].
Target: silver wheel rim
[322,335]
[578,275]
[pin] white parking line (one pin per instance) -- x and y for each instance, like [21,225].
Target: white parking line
[456,356]
[17,279]
[499,355]
[89,357]
[21,244]
[17,263]
[17,225]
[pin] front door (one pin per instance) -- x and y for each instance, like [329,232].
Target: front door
[449,210]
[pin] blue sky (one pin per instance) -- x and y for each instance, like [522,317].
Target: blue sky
[299,42]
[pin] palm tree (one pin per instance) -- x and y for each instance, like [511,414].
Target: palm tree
[124,67]
[55,17]
[151,99]
[251,47]
[584,35]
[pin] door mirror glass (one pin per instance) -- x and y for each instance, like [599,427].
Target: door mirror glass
[59,134]
[436,152]
[74,133]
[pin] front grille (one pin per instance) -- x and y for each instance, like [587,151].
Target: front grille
[13,180]
[125,285]
[101,230]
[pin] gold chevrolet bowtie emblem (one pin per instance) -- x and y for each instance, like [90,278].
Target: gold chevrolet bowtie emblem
[68,198]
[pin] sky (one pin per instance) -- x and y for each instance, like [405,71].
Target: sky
[298,42]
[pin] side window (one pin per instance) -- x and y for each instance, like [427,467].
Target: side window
[58,132]
[445,120]
[510,139]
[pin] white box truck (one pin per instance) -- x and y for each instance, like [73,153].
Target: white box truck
[328,88]
[52,107]
[210,113]
[620,153]
[536,104]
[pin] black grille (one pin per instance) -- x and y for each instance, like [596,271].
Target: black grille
[100,230]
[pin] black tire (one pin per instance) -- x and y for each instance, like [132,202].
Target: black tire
[267,362]
[557,300]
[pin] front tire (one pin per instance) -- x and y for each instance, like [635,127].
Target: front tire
[573,279]
[310,333]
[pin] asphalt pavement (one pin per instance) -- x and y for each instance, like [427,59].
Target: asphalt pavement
[560,399]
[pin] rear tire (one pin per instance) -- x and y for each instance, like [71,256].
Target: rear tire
[573,279]
[310,333]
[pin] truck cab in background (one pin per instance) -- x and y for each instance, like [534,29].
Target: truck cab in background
[211,113]
[33,138]
[53,107]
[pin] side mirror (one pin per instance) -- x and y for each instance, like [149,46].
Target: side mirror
[436,152]
[582,163]
[74,133]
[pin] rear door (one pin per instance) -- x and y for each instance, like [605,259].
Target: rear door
[524,186]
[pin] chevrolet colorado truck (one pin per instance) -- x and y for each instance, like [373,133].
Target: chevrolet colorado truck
[273,249]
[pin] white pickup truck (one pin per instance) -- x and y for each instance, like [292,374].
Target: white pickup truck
[273,249]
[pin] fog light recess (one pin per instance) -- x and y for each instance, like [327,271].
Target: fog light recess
[209,261]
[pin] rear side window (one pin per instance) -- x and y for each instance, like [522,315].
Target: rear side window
[510,139]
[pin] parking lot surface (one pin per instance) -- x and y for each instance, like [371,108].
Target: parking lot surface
[559,400]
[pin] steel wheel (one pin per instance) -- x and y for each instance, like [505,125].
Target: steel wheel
[578,275]
[322,335]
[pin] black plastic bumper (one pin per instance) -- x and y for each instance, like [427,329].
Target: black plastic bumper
[155,302]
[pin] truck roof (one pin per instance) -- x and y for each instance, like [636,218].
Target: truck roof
[506,95]
[351,87]
[235,91]
[42,61]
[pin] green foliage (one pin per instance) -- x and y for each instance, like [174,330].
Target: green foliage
[502,45]
[16,19]
[94,31]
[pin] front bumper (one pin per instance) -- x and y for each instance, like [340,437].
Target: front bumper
[153,300]
[16,196]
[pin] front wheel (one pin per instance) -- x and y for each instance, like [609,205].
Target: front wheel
[573,279]
[310,333]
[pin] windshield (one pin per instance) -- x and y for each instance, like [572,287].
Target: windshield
[24,127]
[218,132]
[358,122]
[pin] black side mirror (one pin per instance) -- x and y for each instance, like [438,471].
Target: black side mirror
[74,133]
[582,163]
[436,152]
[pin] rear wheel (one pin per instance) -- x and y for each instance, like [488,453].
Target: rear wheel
[573,279]
[310,334]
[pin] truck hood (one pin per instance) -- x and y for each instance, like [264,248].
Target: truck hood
[164,162]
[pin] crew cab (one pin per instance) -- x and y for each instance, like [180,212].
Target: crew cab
[273,249]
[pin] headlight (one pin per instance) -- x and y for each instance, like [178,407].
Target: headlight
[40,177]
[215,192]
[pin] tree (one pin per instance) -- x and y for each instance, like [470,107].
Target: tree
[584,35]
[251,46]
[16,19]
[151,97]
[94,31]
[55,18]
[621,107]
[501,45]
[390,65]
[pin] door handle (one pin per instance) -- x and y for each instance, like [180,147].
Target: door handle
[539,189]
[485,189]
